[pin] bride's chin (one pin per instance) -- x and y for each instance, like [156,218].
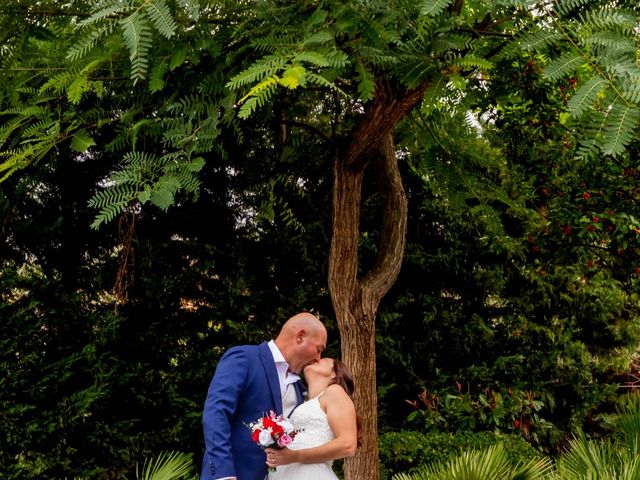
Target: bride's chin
[307,369]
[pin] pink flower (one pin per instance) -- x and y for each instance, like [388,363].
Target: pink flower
[284,440]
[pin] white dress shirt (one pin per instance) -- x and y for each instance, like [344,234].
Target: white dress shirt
[284,375]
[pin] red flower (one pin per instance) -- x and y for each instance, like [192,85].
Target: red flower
[275,428]
[586,195]
[567,230]
[516,424]
[596,219]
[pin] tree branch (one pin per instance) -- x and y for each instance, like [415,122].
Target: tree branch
[306,126]
[382,115]
[386,268]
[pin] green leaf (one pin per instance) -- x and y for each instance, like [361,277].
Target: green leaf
[248,107]
[366,83]
[77,87]
[620,130]
[317,17]
[163,198]
[85,43]
[137,36]
[293,77]
[586,95]
[258,89]
[166,466]
[431,8]
[562,66]
[144,195]
[196,164]
[161,17]
[156,78]
[320,37]
[314,58]
[177,58]
[112,8]
[538,39]
[81,141]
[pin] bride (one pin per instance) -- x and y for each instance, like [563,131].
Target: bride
[327,425]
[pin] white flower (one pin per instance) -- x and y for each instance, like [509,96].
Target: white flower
[265,438]
[287,426]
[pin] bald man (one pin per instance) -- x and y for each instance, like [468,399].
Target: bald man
[249,381]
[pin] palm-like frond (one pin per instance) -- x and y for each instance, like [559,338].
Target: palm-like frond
[489,464]
[166,466]
[588,459]
[628,431]
[616,459]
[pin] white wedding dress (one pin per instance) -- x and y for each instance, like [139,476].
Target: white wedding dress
[314,430]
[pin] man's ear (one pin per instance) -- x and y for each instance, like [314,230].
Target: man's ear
[300,336]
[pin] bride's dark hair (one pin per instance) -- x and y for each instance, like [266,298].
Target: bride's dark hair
[344,378]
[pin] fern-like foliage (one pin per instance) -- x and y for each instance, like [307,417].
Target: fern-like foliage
[136,31]
[146,177]
[563,66]
[431,8]
[290,63]
[585,97]
[621,127]
[136,21]
[77,74]
[598,45]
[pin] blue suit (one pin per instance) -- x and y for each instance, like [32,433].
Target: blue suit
[244,387]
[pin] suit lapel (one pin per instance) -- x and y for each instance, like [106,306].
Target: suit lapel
[272,375]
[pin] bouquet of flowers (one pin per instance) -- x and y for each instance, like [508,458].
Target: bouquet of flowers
[273,431]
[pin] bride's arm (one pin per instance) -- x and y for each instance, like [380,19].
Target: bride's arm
[341,415]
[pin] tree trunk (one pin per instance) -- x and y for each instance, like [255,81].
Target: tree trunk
[355,300]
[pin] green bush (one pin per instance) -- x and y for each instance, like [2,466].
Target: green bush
[404,451]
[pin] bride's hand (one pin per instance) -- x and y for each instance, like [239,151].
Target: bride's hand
[280,456]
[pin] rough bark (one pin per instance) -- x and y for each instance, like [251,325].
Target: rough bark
[355,300]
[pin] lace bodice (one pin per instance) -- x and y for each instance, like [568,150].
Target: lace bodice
[312,422]
[314,430]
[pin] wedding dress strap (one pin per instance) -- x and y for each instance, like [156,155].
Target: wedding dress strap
[321,393]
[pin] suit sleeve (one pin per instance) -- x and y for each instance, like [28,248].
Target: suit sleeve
[219,409]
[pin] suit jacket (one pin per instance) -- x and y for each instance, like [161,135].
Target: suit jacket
[244,387]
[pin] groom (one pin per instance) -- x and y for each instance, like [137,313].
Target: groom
[249,381]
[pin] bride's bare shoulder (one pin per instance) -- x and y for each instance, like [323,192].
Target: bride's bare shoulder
[335,391]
